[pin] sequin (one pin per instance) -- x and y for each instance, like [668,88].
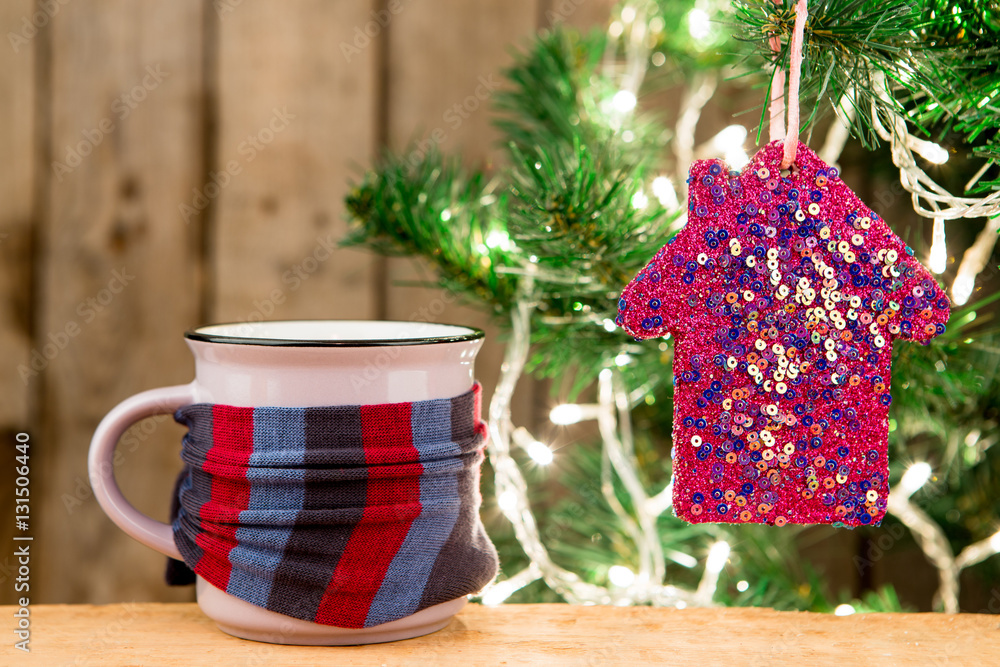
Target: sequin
[784,297]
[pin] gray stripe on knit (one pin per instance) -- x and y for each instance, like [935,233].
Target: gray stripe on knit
[468,560]
[404,581]
[198,419]
[259,549]
[313,551]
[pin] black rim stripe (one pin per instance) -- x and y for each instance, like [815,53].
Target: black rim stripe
[195,334]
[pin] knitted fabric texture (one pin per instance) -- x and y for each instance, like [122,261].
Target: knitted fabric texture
[349,516]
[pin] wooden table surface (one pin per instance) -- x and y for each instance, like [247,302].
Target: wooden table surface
[179,634]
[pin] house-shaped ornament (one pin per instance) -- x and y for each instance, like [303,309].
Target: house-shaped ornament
[784,293]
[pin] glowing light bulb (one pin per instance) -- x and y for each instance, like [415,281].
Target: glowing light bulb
[736,158]
[497,593]
[507,501]
[717,557]
[962,288]
[664,191]
[639,200]
[609,325]
[843,610]
[938,260]
[742,585]
[623,101]
[539,452]
[628,14]
[995,542]
[915,477]
[699,25]
[932,152]
[499,239]
[729,138]
[445,215]
[622,359]
[621,576]
[565,414]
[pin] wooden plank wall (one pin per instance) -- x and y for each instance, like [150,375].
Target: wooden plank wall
[17,109]
[117,266]
[171,163]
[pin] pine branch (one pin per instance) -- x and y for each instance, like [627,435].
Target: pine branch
[939,55]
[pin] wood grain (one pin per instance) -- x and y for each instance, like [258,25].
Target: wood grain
[297,119]
[179,634]
[119,277]
[469,44]
[17,172]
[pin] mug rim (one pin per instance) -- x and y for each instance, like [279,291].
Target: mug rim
[197,334]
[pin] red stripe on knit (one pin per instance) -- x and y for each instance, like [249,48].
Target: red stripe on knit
[391,505]
[232,441]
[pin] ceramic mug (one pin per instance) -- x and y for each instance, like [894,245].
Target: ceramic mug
[303,363]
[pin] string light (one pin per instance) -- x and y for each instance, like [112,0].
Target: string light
[664,191]
[620,465]
[717,557]
[974,261]
[699,25]
[571,413]
[730,138]
[962,288]
[843,610]
[938,259]
[729,144]
[621,576]
[536,449]
[930,151]
[639,200]
[623,101]
[499,591]
[914,179]
[499,239]
[507,501]
[914,478]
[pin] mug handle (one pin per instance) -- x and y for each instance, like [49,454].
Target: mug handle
[100,464]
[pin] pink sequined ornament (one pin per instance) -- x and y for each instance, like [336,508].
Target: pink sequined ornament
[784,294]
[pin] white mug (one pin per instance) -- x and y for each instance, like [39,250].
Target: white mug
[303,363]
